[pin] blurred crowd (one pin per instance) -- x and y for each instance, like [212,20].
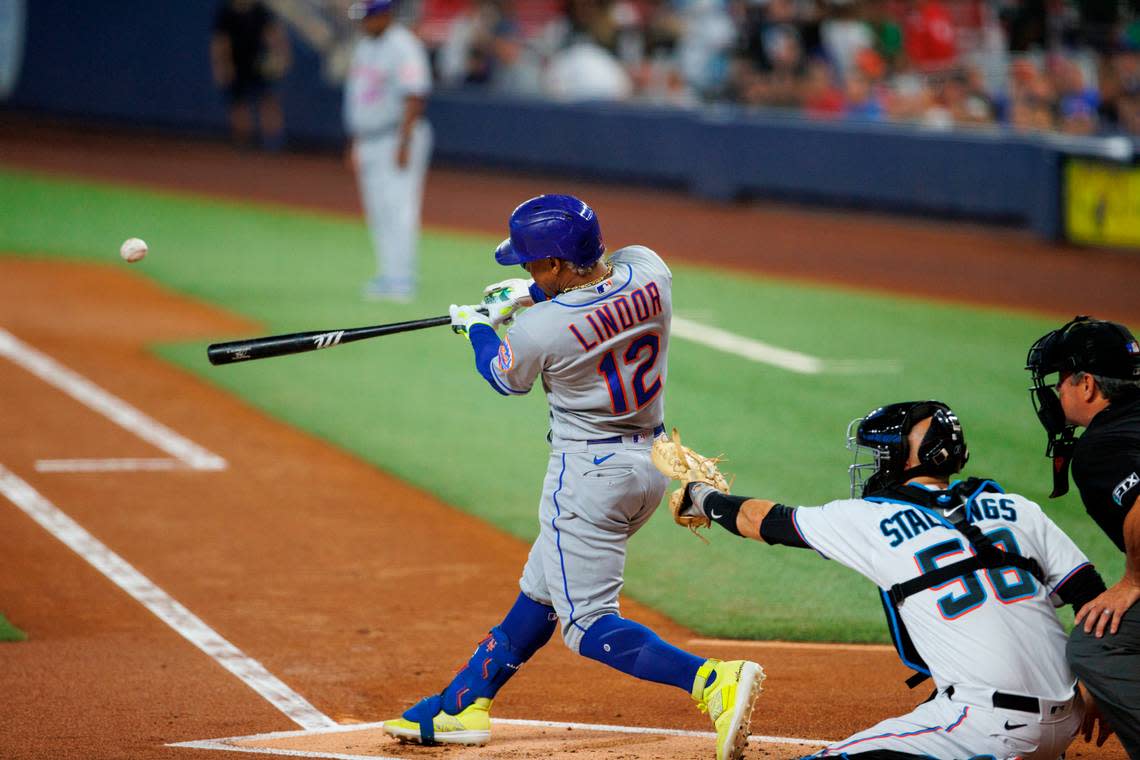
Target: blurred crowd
[1070,66]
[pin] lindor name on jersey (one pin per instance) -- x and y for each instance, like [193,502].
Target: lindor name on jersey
[617,315]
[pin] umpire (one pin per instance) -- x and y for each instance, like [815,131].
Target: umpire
[1087,374]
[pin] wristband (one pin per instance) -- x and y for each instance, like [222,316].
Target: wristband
[721,508]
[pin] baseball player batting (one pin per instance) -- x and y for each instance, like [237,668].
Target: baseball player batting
[597,332]
[968,575]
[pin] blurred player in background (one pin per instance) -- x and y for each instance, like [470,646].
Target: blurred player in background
[249,54]
[384,99]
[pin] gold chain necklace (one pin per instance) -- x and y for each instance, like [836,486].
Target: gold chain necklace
[609,273]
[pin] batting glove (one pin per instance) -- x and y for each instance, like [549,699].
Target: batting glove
[499,312]
[463,317]
[517,291]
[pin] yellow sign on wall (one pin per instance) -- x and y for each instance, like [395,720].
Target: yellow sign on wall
[1102,203]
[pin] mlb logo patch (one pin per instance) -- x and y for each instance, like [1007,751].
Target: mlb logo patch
[1133,347]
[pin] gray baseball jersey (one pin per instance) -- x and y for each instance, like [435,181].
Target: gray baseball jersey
[601,353]
[990,631]
[385,71]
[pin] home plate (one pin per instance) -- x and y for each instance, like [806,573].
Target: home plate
[512,739]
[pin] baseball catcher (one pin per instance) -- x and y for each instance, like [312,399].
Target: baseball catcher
[968,575]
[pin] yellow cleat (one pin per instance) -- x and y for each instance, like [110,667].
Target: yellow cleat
[472,726]
[729,702]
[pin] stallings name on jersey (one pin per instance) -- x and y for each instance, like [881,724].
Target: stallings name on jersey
[616,315]
[909,523]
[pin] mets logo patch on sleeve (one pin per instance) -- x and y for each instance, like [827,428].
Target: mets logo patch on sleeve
[506,357]
[1124,487]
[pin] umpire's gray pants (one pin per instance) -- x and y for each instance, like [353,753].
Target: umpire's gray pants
[1110,668]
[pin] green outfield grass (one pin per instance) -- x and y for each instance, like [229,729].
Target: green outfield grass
[414,406]
[9,632]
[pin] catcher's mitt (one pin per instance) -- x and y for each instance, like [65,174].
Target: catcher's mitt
[682,463]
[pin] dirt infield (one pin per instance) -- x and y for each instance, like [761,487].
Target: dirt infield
[331,588]
[352,606]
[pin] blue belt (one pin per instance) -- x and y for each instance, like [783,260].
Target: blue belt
[617,438]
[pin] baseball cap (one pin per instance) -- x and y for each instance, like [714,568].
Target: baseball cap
[1096,346]
[361,10]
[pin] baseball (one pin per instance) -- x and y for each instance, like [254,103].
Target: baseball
[132,250]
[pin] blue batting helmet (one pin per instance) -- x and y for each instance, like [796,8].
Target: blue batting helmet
[558,226]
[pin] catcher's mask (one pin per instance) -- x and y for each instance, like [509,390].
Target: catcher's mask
[1084,344]
[883,435]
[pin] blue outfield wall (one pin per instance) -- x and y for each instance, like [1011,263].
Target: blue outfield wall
[726,153]
[147,64]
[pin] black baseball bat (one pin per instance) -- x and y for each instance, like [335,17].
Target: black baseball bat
[298,343]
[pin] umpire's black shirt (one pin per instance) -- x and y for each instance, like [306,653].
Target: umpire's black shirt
[1106,466]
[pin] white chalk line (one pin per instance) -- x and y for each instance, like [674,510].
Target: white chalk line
[765,353]
[112,407]
[229,743]
[250,672]
[220,744]
[246,669]
[642,730]
[108,465]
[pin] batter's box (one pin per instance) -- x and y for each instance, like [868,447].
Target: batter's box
[513,739]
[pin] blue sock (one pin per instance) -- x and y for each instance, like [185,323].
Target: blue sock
[526,628]
[634,649]
[529,625]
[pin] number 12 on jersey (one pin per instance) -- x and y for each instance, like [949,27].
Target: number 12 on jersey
[641,354]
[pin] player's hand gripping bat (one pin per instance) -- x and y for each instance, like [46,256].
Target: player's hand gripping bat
[297,343]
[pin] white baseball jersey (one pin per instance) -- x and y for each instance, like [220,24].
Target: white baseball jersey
[385,71]
[992,629]
[601,351]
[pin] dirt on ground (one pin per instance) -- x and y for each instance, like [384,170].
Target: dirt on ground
[302,556]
